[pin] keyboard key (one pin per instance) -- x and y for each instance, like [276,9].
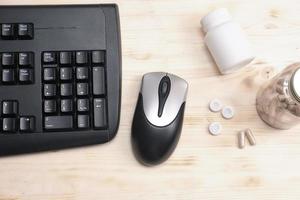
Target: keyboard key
[10,108]
[82,89]
[65,58]
[50,106]
[27,124]
[81,57]
[25,31]
[8,76]
[9,125]
[64,122]
[49,74]
[49,90]
[99,113]
[8,59]
[66,105]
[83,121]
[26,59]
[49,57]
[66,73]
[98,81]
[98,57]
[26,76]
[66,89]
[83,105]
[82,73]
[7,31]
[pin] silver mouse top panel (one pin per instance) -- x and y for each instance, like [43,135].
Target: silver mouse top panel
[176,97]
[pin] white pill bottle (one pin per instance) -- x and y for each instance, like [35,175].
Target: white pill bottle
[226,41]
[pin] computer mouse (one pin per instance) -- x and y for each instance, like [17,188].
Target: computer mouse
[158,117]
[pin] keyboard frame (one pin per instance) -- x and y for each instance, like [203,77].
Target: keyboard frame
[30,142]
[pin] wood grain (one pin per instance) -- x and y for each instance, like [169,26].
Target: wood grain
[165,35]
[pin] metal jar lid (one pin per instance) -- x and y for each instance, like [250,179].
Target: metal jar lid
[295,84]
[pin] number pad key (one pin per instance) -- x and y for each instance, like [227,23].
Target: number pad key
[98,57]
[83,105]
[99,113]
[66,73]
[66,89]
[98,81]
[82,73]
[49,57]
[83,121]
[81,57]
[66,105]
[49,90]
[65,58]
[49,106]
[58,122]
[49,74]
[82,89]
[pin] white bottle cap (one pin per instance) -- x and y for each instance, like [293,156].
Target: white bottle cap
[215,18]
[226,41]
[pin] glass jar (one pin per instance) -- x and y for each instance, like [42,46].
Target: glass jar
[278,101]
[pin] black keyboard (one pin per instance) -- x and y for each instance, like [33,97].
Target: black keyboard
[60,83]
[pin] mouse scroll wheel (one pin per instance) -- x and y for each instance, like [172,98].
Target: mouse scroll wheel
[164,88]
[163,93]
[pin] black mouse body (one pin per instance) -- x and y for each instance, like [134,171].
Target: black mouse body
[158,117]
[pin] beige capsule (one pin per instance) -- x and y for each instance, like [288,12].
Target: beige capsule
[241,139]
[297,111]
[290,101]
[279,90]
[292,108]
[250,137]
[281,98]
[284,105]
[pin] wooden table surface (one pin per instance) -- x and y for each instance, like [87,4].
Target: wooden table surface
[165,35]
